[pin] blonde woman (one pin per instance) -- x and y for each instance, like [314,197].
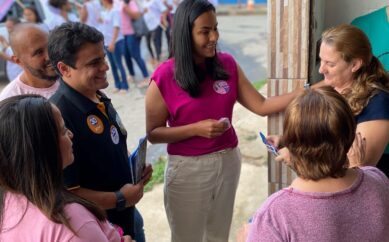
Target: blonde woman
[349,66]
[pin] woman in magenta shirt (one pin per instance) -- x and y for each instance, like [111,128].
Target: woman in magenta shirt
[189,105]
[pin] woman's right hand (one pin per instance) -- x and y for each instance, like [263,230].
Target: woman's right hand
[210,128]
[357,151]
[284,156]
[274,140]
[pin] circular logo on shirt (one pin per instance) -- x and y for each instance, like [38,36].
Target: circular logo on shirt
[221,87]
[95,124]
[114,135]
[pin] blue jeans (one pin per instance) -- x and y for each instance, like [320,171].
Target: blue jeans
[132,49]
[155,36]
[115,60]
[139,232]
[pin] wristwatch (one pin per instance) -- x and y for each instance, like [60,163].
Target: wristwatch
[120,201]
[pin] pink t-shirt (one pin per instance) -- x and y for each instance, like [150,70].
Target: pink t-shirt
[216,101]
[23,221]
[126,26]
[359,213]
[17,87]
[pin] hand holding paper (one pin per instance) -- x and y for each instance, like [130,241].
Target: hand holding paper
[269,146]
[137,160]
[226,122]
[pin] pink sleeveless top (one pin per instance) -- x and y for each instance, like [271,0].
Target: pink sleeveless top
[216,101]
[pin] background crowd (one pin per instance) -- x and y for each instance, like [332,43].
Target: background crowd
[114,18]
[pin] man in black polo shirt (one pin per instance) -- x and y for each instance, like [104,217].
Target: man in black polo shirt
[100,172]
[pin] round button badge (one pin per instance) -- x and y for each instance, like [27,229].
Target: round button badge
[114,135]
[221,87]
[95,124]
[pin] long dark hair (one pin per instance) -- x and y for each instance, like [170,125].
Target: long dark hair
[58,3]
[30,158]
[35,11]
[187,74]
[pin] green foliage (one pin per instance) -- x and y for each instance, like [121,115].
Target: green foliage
[259,84]
[158,173]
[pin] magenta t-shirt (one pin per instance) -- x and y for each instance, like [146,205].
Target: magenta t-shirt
[359,213]
[216,101]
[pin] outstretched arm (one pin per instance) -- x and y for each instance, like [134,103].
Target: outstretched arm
[256,103]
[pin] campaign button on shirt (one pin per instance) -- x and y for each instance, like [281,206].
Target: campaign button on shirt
[114,135]
[95,124]
[221,87]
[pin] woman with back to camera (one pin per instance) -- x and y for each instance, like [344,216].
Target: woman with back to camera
[194,92]
[35,146]
[327,201]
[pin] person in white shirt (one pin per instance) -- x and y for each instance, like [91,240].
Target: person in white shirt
[12,69]
[114,44]
[61,12]
[90,13]
[29,43]
[156,20]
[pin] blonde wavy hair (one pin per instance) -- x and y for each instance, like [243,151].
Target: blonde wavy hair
[371,77]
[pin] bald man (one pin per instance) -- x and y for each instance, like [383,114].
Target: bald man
[29,44]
